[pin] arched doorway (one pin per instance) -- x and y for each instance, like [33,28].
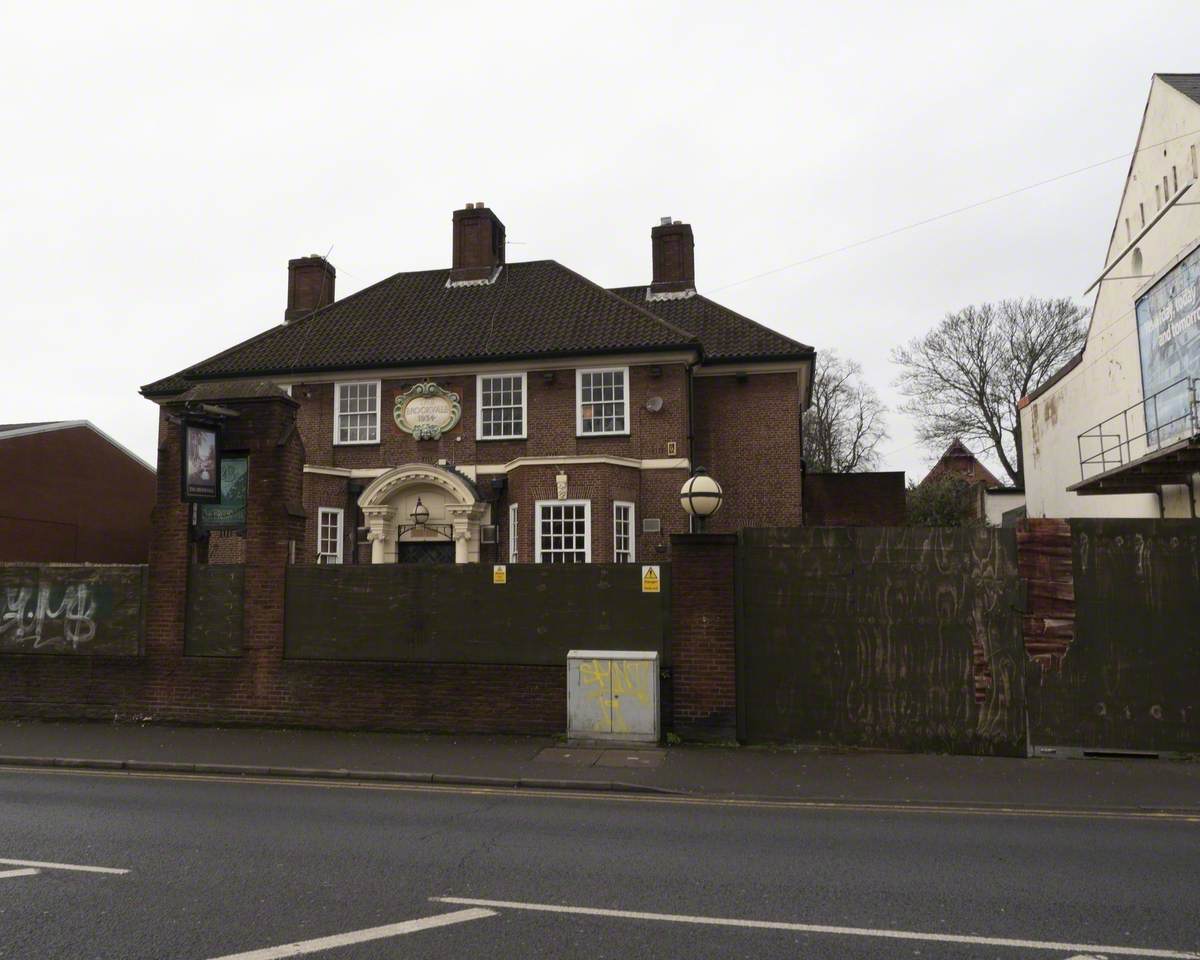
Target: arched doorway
[455,514]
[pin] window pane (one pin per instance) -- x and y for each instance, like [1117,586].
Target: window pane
[501,406]
[602,401]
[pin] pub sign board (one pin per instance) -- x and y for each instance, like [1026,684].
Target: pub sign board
[201,466]
[230,512]
[1168,324]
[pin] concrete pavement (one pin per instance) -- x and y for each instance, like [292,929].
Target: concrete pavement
[847,776]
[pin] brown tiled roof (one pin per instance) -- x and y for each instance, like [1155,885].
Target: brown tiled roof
[727,336]
[961,461]
[217,390]
[534,309]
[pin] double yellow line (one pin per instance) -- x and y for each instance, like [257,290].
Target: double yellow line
[834,806]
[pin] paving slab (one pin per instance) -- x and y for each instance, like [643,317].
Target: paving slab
[632,758]
[569,756]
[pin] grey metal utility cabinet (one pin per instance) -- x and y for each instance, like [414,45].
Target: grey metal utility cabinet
[613,695]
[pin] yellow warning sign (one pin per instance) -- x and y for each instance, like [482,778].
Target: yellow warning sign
[651,580]
[499,573]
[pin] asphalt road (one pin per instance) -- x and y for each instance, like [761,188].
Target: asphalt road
[219,868]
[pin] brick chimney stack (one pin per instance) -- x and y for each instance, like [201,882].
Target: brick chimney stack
[673,253]
[478,243]
[310,286]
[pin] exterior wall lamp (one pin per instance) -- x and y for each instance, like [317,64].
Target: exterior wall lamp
[420,518]
[700,497]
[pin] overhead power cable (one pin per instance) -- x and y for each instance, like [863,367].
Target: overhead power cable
[949,213]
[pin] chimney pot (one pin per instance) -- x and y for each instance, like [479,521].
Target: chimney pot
[673,257]
[478,247]
[310,286]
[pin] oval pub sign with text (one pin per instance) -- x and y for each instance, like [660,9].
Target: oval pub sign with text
[427,411]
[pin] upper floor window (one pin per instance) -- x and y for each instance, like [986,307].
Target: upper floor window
[1157,198]
[500,405]
[602,405]
[622,532]
[329,535]
[564,532]
[1142,211]
[1195,164]
[356,412]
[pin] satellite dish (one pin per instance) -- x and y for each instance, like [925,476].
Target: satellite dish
[654,404]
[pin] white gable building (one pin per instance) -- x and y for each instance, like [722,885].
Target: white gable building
[1114,432]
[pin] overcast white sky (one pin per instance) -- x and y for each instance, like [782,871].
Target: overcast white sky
[161,162]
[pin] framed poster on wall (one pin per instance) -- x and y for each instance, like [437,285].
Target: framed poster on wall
[201,462]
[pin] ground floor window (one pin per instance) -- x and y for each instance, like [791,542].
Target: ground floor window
[622,532]
[564,531]
[329,535]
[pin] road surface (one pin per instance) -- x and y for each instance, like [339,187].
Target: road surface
[216,868]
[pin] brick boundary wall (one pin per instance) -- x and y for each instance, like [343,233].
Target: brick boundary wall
[1044,562]
[703,635]
[260,687]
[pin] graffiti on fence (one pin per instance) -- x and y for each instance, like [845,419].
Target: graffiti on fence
[32,616]
[80,610]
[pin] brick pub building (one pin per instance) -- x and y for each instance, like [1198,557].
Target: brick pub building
[518,412]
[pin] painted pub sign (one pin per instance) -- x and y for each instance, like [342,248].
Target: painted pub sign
[201,467]
[230,512]
[1168,322]
[427,411]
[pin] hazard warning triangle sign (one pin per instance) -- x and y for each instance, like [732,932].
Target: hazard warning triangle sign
[651,580]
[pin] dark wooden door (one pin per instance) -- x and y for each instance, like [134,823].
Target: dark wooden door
[434,551]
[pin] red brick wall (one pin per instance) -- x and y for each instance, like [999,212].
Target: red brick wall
[550,431]
[747,435]
[748,438]
[70,496]
[260,687]
[855,499]
[703,642]
[1044,560]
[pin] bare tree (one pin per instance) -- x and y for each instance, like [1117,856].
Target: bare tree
[845,423]
[965,377]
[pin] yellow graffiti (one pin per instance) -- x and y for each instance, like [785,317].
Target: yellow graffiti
[609,681]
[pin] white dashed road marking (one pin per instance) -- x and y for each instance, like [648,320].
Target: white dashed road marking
[360,936]
[28,872]
[59,866]
[836,931]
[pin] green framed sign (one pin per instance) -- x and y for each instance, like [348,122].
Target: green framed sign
[229,513]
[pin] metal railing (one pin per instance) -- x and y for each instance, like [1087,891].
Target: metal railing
[1146,426]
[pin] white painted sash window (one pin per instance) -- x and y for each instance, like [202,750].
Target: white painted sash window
[356,412]
[512,533]
[623,549]
[500,405]
[603,401]
[329,535]
[564,531]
